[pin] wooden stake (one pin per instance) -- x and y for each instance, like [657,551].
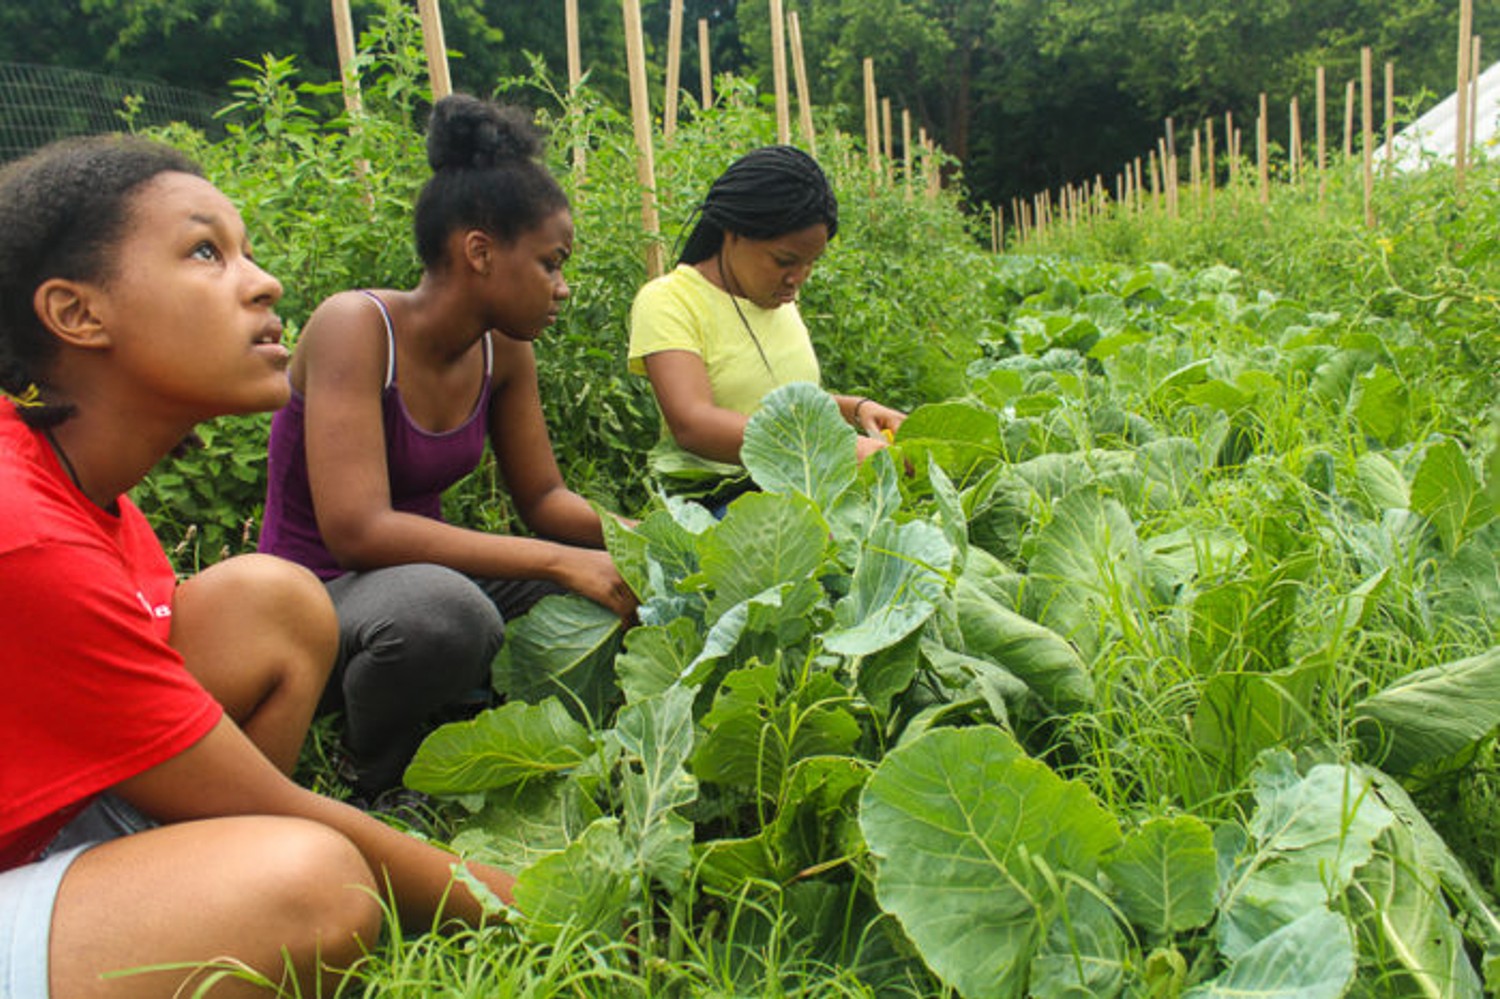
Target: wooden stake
[1295,155]
[343,34]
[804,99]
[705,66]
[1140,188]
[1262,154]
[1461,120]
[1390,115]
[674,71]
[1322,84]
[1367,132]
[1231,147]
[575,78]
[640,107]
[872,120]
[1195,170]
[1161,166]
[930,168]
[437,49]
[906,156]
[778,74]
[1212,165]
[888,148]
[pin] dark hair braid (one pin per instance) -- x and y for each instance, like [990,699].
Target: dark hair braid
[766,193]
[63,209]
[486,174]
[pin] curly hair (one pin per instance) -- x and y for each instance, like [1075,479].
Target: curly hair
[486,174]
[63,210]
[768,192]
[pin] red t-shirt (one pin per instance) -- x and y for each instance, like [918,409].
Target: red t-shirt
[90,691]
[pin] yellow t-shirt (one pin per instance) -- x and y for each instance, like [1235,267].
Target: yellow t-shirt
[683,310]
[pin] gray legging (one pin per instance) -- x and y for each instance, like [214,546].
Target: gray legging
[414,640]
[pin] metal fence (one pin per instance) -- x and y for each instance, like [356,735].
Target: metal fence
[42,103]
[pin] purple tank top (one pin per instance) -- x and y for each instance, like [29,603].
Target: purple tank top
[420,465]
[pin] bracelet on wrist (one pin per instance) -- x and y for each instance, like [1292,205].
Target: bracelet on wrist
[857,405]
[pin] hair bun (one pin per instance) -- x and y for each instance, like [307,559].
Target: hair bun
[466,133]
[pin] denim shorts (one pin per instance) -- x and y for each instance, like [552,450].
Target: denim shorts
[26,897]
[28,894]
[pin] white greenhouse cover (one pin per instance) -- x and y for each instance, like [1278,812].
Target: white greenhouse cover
[1432,135]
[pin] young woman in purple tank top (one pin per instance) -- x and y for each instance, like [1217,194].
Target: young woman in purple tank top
[394,393]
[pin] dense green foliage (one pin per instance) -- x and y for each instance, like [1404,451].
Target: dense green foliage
[1157,657]
[1026,94]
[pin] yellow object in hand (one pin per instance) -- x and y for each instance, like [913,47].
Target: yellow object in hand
[886,433]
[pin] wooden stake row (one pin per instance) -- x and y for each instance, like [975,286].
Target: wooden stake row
[1161,169]
[879,137]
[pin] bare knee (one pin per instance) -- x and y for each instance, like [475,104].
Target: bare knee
[271,592]
[319,882]
[274,894]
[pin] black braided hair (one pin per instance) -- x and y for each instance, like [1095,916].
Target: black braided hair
[766,193]
[63,211]
[486,174]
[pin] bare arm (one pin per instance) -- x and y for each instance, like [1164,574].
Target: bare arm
[224,774]
[680,380]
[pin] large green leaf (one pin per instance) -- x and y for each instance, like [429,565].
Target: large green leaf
[564,646]
[1083,953]
[1446,491]
[1399,910]
[753,734]
[960,437]
[969,676]
[881,676]
[513,743]
[584,887]
[656,736]
[1307,837]
[897,583]
[798,443]
[1086,570]
[1175,559]
[656,656]
[660,550]
[1381,482]
[1436,858]
[876,499]
[1037,655]
[1432,715]
[1164,875]
[1311,957]
[961,825]
[522,823]
[1466,587]
[949,506]
[817,818]
[1381,403]
[1239,715]
[765,540]
[762,626]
